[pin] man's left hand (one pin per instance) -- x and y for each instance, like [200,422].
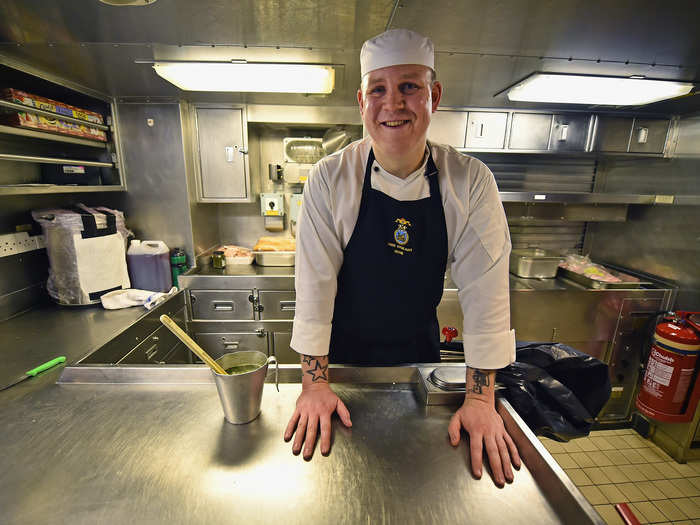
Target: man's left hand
[485,427]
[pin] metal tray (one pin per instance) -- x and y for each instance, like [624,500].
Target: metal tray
[600,285]
[274,258]
[534,263]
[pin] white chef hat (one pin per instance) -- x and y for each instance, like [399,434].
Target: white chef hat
[396,47]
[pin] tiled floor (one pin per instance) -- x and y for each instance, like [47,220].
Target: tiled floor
[619,466]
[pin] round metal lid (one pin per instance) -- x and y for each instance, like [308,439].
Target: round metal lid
[449,377]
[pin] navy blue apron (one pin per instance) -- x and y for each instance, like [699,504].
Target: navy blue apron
[392,278]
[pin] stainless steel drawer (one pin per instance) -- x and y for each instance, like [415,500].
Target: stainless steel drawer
[486,130]
[218,344]
[225,305]
[281,349]
[569,132]
[530,131]
[277,305]
[153,349]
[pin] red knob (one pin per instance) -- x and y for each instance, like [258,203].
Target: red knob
[450,332]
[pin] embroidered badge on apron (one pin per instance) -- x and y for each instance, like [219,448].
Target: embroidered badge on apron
[401,237]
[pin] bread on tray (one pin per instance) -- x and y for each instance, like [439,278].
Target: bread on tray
[275,244]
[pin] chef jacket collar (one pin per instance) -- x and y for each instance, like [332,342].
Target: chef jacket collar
[426,168]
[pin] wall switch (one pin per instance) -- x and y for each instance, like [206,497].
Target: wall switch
[295,206]
[271,204]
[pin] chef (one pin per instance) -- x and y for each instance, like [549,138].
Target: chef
[382,219]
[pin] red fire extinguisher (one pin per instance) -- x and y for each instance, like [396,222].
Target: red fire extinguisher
[671,366]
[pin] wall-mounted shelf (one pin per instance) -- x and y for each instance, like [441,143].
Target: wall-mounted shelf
[43,189]
[32,109]
[9,130]
[596,198]
[53,160]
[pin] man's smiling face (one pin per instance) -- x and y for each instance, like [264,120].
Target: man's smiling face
[396,103]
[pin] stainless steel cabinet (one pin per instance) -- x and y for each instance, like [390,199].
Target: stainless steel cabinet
[276,304]
[224,305]
[448,127]
[570,132]
[221,159]
[649,135]
[218,344]
[530,131]
[613,134]
[282,351]
[486,130]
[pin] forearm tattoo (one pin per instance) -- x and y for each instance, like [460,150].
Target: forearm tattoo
[317,370]
[481,380]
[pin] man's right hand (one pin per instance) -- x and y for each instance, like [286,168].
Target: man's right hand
[314,407]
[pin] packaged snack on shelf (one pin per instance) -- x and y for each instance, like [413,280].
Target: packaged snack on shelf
[23,119]
[28,99]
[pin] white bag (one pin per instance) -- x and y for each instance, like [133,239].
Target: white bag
[87,253]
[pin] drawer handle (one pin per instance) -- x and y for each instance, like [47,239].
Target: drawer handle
[288,306]
[223,305]
[231,345]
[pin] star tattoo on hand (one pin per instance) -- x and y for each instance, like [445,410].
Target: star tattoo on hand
[307,359]
[319,372]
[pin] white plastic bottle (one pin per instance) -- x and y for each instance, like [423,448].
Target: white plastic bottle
[149,266]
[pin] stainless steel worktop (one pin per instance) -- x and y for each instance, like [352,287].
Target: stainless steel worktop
[162,453]
[50,330]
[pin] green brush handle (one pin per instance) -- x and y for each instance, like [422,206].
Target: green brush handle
[34,371]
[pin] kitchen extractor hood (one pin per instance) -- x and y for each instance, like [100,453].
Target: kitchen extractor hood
[562,88]
[243,76]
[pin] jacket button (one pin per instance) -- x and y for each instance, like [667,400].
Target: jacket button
[376,168]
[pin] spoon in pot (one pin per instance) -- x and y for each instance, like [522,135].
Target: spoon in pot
[190,343]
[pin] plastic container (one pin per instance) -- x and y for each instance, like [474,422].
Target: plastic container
[178,264]
[149,266]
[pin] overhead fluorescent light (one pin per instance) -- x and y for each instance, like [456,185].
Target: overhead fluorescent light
[248,76]
[595,90]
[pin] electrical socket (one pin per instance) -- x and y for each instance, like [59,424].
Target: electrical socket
[14,243]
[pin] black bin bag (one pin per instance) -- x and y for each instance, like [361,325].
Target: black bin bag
[557,390]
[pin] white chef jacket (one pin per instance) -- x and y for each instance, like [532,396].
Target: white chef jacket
[477,238]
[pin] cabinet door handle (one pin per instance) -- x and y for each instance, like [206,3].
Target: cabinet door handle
[288,306]
[564,132]
[642,135]
[229,153]
[222,305]
[480,133]
[231,345]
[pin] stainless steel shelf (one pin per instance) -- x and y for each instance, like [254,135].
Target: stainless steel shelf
[51,136]
[42,189]
[596,198]
[32,109]
[53,160]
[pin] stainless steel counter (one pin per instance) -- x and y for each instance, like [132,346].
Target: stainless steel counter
[162,453]
[49,331]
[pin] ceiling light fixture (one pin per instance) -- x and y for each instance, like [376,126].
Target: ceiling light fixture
[243,76]
[562,88]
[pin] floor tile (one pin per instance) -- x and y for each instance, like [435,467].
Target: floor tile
[598,477]
[579,477]
[631,492]
[601,443]
[612,493]
[666,487]
[670,510]
[609,514]
[685,488]
[667,470]
[586,445]
[565,461]
[617,442]
[652,456]
[614,474]
[684,469]
[650,490]
[554,447]
[689,507]
[661,453]
[593,495]
[646,512]
[650,471]
[633,472]
[695,481]
[617,457]
[635,441]
[695,464]
[599,458]
[571,446]
[633,456]
[582,459]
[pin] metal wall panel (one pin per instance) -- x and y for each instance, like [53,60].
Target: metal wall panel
[448,127]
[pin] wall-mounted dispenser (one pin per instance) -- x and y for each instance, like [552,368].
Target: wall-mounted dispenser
[272,209]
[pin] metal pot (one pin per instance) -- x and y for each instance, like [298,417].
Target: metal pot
[335,139]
